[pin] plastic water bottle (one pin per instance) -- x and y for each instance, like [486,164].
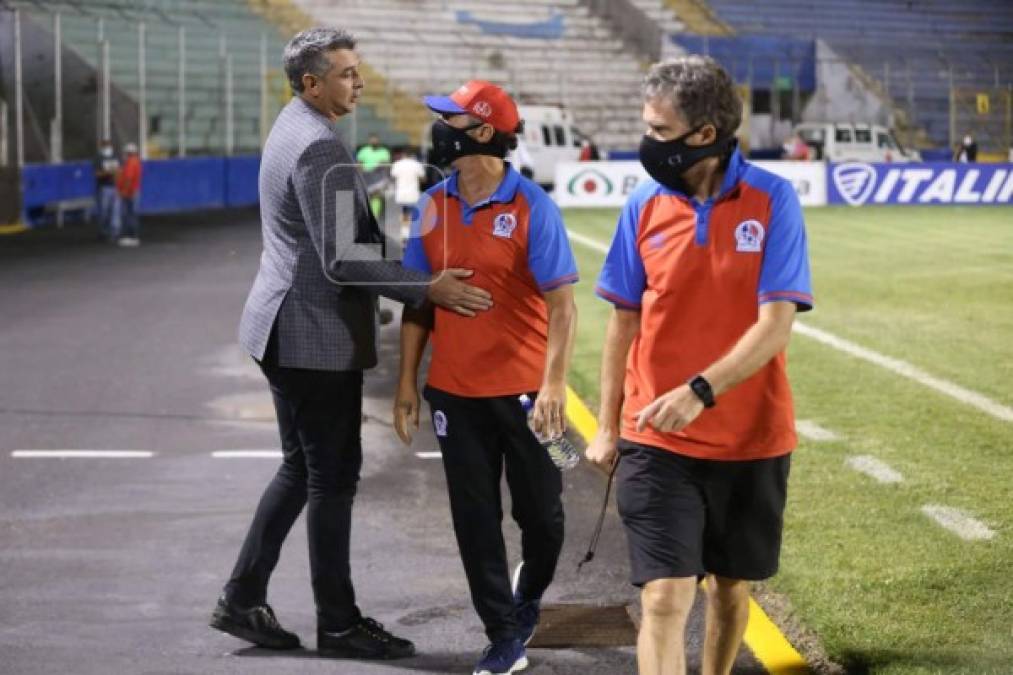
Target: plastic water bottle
[560,449]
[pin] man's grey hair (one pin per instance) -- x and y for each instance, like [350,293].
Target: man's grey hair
[699,89]
[305,53]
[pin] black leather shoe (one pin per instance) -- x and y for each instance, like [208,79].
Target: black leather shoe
[367,639]
[254,624]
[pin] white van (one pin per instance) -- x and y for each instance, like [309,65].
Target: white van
[549,138]
[847,142]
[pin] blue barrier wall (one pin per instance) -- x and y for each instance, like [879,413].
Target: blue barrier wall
[167,185]
[241,181]
[42,184]
[927,183]
[183,184]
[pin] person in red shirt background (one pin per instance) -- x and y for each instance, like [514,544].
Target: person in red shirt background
[128,185]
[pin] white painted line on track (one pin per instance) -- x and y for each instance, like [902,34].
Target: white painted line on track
[247,454]
[429,455]
[959,523]
[902,368]
[814,432]
[875,468]
[82,454]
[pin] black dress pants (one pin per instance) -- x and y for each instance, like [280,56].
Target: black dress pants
[477,437]
[319,418]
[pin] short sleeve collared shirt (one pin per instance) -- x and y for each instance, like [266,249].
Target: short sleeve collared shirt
[517,246]
[698,272]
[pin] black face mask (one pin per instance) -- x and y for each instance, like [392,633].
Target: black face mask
[666,161]
[451,143]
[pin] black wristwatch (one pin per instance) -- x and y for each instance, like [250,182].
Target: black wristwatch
[703,391]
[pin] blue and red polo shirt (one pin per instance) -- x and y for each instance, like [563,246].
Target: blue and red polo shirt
[517,246]
[698,272]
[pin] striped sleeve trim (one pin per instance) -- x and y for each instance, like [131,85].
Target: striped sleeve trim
[786,296]
[560,281]
[617,300]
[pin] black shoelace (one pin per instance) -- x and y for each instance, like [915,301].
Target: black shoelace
[268,616]
[593,545]
[375,629]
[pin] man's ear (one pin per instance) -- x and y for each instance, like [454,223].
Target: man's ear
[309,83]
[485,133]
[708,134]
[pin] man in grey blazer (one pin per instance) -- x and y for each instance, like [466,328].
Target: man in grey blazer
[309,323]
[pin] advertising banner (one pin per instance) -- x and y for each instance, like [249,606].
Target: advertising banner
[859,183]
[608,184]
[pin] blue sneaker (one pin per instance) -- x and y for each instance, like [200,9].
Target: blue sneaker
[502,658]
[527,612]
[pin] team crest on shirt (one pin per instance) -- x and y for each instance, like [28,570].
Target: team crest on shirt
[504,224]
[440,423]
[749,236]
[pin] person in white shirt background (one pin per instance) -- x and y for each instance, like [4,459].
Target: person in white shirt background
[408,174]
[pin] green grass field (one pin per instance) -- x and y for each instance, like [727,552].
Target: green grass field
[886,589]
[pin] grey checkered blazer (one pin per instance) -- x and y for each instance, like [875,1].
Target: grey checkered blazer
[316,280]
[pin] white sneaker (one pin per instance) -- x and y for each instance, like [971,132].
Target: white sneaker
[129,242]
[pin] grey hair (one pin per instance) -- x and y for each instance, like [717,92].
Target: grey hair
[304,53]
[699,89]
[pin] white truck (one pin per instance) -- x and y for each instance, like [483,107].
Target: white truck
[848,142]
[549,138]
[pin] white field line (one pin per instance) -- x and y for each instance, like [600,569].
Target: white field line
[82,454]
[814,432]
[428,455]
[876,469]
[247,454]
[959,523]
[588,241]
[902,368]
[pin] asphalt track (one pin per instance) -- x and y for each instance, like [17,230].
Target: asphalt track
[113,565]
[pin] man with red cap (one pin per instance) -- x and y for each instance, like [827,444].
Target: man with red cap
[511,234]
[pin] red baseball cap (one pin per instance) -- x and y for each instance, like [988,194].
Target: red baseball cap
[481,99]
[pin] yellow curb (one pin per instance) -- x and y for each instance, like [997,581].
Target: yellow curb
[13,228]
[768,644]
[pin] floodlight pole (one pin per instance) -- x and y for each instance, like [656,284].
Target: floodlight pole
[100,29]
[230,136]
[181,93]
[56,131]
[4,130]
[106,93]
[19,84]
[142,87]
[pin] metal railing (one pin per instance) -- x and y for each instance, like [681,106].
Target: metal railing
[232,127]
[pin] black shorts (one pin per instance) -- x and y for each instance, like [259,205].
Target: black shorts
[686,517]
